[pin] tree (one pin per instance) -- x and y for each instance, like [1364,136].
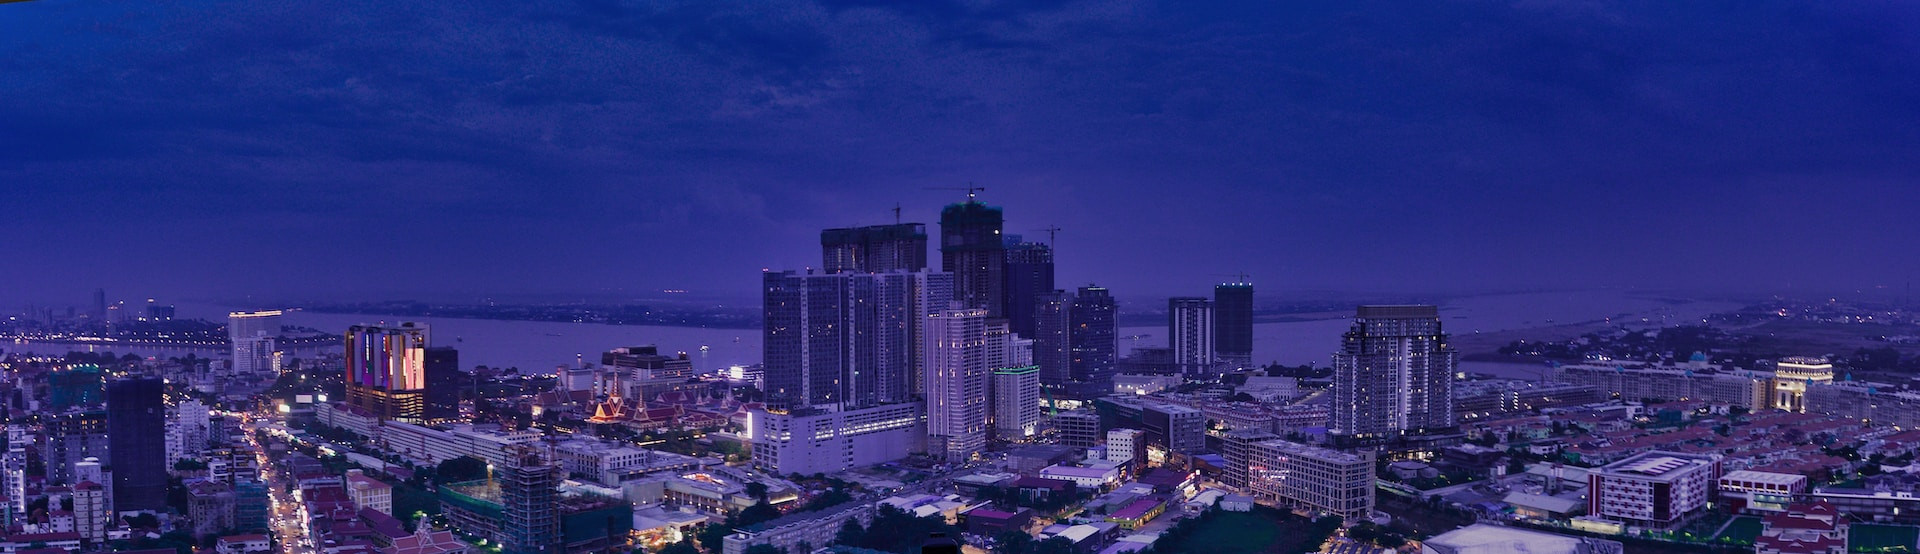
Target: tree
[759,512]
[713,537]
[850,533]
[1056,545]
[461,469]
[757,490]
[685,546]
[1014,542]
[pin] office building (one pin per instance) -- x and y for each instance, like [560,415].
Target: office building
[1078,429]
[1233,323]
[1052,338]
[446,383]
[646,362]
[957,379]
[136,431]
[874,249]
[1190,333]
[1029,277]
[973,250]
[1792,376]
[253,337]
[1320,480]
[1659,490]
[1127,445]
[1237,447]
[1179,428]
[529,502]
[387,370]
[847,339]
[1393,376]
[71,437]
[1093,338]
[1016,403]
[826,440]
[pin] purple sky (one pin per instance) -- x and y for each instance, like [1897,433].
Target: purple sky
[323,148]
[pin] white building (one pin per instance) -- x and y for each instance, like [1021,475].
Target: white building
[91,513]
[609,463]
[816,529]
[1760,491]
[1190,333]
[1653,489]
[1016,403]
[1123,445]
[820,440]
[432,446]
[1295,475]
[252,335]
[1481,538]
[1092,476]
[14,464]
[188,431]
[956,379]
[368,492]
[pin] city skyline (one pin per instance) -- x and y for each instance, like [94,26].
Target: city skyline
[1525,147]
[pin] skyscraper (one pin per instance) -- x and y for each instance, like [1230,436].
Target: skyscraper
[1016,403]
[1190,333]
[1393,376]
[386,370]
[1093,335]
[1052,337]
[847,339]
[445,382]
[136,433]
[1233,323]
[1029,277]
[972,249]
[874,249]
[957,379]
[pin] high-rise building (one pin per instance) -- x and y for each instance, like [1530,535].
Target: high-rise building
[1190,333]
[71,437]
[529,501]
[14,464]
[136,431]
[76,386]
[1016,403]
[874,249]
[387,370]
[847,339]
[253,336]
[972,249]
[957,379]
[1393,376]
[445,383]
[99,303]
[91,515]
[1078,429]
[1233,323]
[1052,338]
[1093,336]
[189,428]
[1029,277]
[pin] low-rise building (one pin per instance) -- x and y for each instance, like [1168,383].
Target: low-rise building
[368,492]
[1657,489]
[1481,538]
[1311,478]
[814,528]
[1760,491]
[1803,529]
[815,440]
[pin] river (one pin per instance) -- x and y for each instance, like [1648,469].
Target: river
[543,345]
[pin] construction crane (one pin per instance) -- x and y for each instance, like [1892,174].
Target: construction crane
[1051,231]
[971,190]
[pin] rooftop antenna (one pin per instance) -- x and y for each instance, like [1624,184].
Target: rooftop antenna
[1241,277]
[896,213]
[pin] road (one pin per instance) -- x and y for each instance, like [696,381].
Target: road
[285,512]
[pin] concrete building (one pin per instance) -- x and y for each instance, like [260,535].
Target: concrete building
[1792,376]
[1393,376]
[819,440]
[1127,445]
[874,248]
[1760,491]
[847,339]
[368,492]
[611,462]
[1321,480]
[1657,489]
[813,528]
[188,429]
[1016,403]
[1078,429]
[70,437]
[1233,323]
[1052,338]
[252,336]
[1029,277]
[1190,333]
[529,500]
[446,384]
[1739,389]
[1093,340]
[1237,447]
[957,380]
[92,515]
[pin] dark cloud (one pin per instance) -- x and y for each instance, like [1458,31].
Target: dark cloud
[212,147]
